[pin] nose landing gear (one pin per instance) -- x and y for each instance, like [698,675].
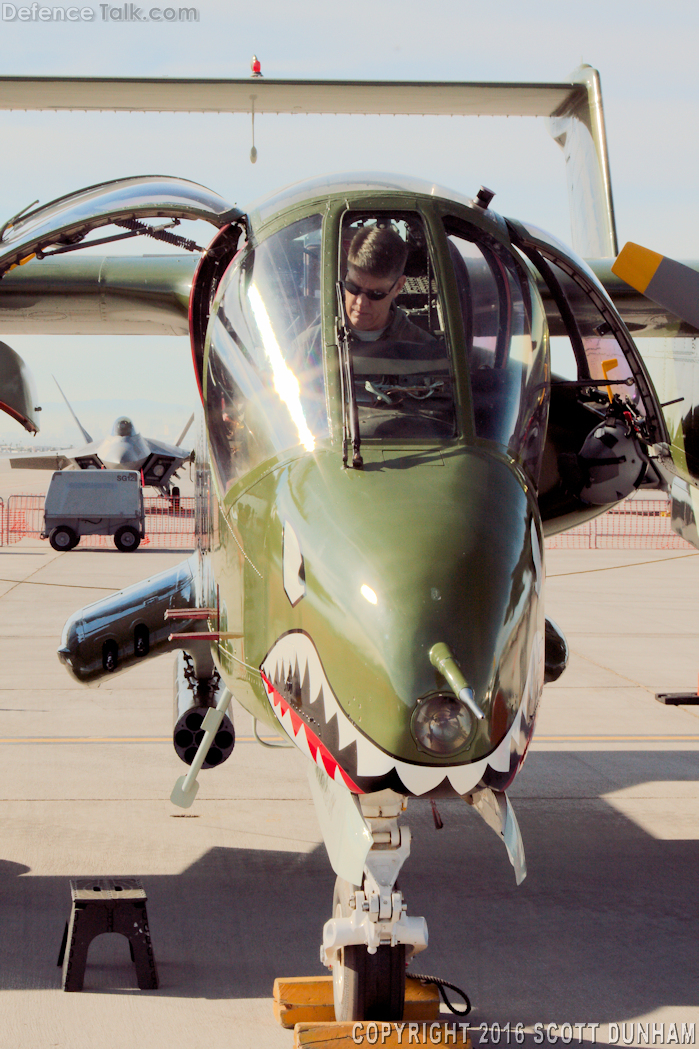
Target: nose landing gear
[369,939]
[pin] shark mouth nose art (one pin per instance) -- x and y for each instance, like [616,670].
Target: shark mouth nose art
[306,707]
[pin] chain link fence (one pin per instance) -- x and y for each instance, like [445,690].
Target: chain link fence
[640,522]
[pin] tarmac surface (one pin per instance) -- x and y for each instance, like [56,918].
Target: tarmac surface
[603,931]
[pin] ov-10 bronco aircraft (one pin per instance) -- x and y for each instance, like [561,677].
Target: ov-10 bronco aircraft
[372,502]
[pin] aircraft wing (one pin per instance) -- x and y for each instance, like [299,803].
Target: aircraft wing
[87,294]
[58,460]
[133,295]
[161,448]
[574,108]
[99,295]
[162,463]
[41,461]
[186,95]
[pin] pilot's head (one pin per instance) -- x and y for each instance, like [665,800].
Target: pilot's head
[375,264]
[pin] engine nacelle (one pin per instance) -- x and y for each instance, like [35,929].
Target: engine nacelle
[193,697]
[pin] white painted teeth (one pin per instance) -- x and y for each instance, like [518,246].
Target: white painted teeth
[370,760]
[329,704]
[464,778]
[345,731]
[499,760]
[419,779]
[295,651]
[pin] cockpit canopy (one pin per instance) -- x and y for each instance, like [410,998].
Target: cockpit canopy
[459,355]
[123,427]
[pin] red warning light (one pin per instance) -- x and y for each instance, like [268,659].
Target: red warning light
[255,66]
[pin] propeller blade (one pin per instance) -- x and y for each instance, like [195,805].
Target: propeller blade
[182,436]
[671,284]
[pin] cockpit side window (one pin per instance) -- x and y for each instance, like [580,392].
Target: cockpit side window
[392,315]
[265,389]
[506,344]
[591,347]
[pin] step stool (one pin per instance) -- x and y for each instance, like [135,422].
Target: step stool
[107,905]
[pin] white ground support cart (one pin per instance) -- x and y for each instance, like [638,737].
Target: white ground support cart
[94,502]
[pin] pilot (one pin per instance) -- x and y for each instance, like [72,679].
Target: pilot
[375,264]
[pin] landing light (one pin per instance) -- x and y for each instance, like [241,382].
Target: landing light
[441,724]
[369,594]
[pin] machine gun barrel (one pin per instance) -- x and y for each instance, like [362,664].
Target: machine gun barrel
[193,698]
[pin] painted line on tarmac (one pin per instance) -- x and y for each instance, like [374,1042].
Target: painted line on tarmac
[118,739]
[67,586]
[614,568]
[28,740]
[612,739]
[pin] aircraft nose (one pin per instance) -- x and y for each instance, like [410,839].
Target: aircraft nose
[421,601]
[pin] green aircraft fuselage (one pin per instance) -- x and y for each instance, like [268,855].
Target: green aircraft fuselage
[437,539]
[372,504]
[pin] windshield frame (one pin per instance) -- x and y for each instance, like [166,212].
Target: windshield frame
[536,244]
[399,211]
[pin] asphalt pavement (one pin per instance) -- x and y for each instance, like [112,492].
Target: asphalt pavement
[602,932]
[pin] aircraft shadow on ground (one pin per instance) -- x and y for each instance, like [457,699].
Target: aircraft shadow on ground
[602,930]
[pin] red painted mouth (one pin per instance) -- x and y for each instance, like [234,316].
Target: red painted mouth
[318,751]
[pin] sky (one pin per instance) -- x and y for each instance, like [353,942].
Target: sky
[644,52]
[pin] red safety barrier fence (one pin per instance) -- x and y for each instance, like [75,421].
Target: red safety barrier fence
[169,524]
[637,523]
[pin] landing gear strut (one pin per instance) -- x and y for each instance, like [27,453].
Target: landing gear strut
[369,939]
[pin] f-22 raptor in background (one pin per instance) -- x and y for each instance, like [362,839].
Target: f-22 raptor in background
[123,449]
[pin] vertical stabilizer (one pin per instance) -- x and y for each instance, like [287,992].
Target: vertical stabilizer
[578,127]
[82,429]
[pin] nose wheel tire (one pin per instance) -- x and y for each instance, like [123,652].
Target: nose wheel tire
[366,986]
[126,538]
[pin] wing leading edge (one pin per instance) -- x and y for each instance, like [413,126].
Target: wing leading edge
[574,109]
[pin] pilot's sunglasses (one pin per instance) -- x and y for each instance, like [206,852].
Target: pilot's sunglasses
[370,293]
